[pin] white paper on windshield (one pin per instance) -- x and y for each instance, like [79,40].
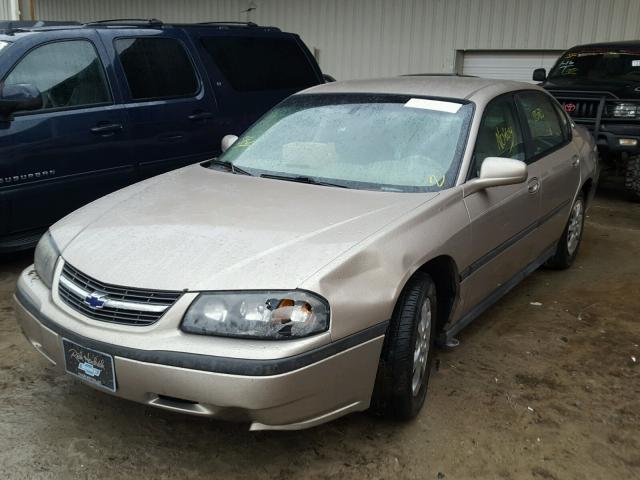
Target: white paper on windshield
[437,105]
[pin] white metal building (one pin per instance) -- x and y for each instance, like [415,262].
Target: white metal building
[372,38]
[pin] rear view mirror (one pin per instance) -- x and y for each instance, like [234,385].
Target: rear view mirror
[539,75]
[328,78]
[227,141]
[495,172]
[14,98]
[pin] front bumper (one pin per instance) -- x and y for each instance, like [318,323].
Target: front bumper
[609,135]
[294,392]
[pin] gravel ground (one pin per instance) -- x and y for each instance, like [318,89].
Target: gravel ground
[543,386]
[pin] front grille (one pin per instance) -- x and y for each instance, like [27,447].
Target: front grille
[580,108]
[122,305]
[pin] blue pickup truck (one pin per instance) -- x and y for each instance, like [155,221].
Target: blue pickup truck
[86,109]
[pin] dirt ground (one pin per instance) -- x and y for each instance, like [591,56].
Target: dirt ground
[548,391]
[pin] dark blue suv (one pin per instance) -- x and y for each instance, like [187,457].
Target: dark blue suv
[88,109]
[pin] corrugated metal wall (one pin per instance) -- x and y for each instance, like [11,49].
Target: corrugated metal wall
[8,9]
[370,38]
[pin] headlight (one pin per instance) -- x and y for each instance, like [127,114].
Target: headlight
[625,110]
[45,259]
[268,315]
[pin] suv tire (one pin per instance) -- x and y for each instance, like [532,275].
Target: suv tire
[632,178]
[569,242]
[407,353]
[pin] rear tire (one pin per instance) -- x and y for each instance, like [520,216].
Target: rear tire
[405,364]
[569,243]
[632,178]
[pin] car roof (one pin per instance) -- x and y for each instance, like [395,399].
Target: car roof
[469,88]
[621,44]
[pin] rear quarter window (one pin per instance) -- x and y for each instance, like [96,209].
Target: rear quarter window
[258,63]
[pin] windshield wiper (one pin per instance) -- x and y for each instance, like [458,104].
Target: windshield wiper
[230,166]
[302,179]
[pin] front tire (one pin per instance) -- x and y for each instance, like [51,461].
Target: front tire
[569,243]
[632,178]
[405,364]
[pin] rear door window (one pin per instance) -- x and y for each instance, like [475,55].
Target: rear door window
[156,68]
[257,63]
[544,125]
[67,74]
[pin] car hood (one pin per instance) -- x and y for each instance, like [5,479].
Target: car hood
[619,89]
[201,229]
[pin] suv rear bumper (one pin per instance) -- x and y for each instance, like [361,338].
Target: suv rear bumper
[297,398]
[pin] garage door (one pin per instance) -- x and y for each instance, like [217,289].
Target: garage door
[509,65]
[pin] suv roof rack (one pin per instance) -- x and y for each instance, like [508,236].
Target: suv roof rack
[23,25]
[234,24]
[152,22]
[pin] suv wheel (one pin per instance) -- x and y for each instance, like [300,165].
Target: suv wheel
[569,243]
[632,179]
[405,365]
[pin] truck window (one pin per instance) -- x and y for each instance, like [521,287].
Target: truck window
[257,63]
[156,68]
[598,63]
[68,74]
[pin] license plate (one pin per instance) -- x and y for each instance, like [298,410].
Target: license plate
[89,365]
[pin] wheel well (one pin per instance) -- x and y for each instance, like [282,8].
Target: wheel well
[444,272]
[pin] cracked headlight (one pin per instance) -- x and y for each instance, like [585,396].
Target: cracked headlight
[45,258]
[269,315]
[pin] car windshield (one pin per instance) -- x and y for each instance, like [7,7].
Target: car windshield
[598,65]
[373,142]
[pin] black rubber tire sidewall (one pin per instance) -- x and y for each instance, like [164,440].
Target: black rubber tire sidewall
[562,259]
[632,178]
[393,396]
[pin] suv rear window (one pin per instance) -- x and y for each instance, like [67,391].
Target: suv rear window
[156,68]
[259,63]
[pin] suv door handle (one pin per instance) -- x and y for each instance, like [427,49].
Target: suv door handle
[575,161]
[200,116]
[533,186]
[106,129]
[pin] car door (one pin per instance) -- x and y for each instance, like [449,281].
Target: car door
[170,108]
[553,159]
[502,219]
[72,150]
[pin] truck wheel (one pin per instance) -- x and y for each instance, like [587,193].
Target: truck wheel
[405,364]
[632,180]
[569,243]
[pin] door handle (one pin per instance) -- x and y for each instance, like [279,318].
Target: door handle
[533,186]
[200,116]
[106,129]
[575,161]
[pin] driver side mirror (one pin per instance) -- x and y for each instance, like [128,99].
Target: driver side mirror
[227,141]
[14,98]
[495,172]
[539,75]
